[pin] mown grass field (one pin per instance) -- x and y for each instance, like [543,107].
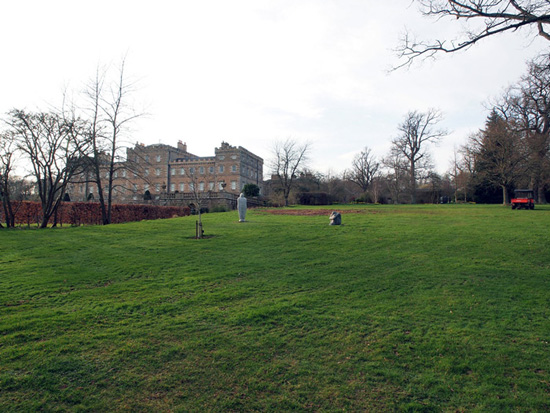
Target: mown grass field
[403,308]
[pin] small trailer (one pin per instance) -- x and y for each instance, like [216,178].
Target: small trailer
[523,198]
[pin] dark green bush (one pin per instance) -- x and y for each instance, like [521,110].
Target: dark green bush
[219,208]
[251,190]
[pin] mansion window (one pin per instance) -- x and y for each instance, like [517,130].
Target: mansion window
[211,170]
[146,158]
[182,171]
[172,187]
[157,187]
[157,171]
[172,171]
[192,170]
[146,171]
[201,186]
[124,173]
[233,168]
[233,185]
[201,169]
[182,187]
[158,158]
[145,187]
[221,169]
[210,186]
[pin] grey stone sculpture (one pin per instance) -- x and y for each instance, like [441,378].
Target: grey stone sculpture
[335,218]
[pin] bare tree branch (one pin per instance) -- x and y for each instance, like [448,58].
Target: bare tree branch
[363,170]
[496,16]
[110,115]
[49,141]
[288,158]
[417,130]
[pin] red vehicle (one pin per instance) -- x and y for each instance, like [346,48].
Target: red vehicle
[523,198]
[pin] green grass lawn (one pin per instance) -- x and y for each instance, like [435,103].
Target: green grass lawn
[407,308]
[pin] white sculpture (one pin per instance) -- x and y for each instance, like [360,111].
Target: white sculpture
[241,206]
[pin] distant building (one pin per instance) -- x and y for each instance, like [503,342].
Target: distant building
[168,174]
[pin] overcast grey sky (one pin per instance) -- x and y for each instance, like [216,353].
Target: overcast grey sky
[249,72]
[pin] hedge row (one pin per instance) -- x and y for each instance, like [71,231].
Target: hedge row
[89,213]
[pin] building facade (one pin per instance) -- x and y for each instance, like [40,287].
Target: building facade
[162,172]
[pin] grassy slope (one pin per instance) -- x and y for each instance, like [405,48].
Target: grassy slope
[411,307]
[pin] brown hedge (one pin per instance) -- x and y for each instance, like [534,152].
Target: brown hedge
[89,213]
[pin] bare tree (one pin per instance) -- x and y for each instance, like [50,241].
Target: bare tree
[454,172]
[376,188]
[467,167]
[396,174]
[337,186]
[364,168]
[288,158]
[528,103]
[201,195]
[483,18]
[416,131]
[50,143]
[7,157]
[110,113]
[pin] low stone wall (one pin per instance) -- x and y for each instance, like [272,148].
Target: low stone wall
[209,200]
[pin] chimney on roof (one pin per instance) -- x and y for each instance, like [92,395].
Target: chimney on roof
[182,146]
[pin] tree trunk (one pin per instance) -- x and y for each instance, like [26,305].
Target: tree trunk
[199,232]
[44,223]
[286,195]
[413,183]
[504,195]
[8,212]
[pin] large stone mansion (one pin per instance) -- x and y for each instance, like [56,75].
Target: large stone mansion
[165,173]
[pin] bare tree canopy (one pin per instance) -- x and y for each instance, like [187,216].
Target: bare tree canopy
[483,18]
[50,142]
[288,157]
[110,112]
[363,169]
[417,130]
[513,150]
[396,174]
[526,107]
